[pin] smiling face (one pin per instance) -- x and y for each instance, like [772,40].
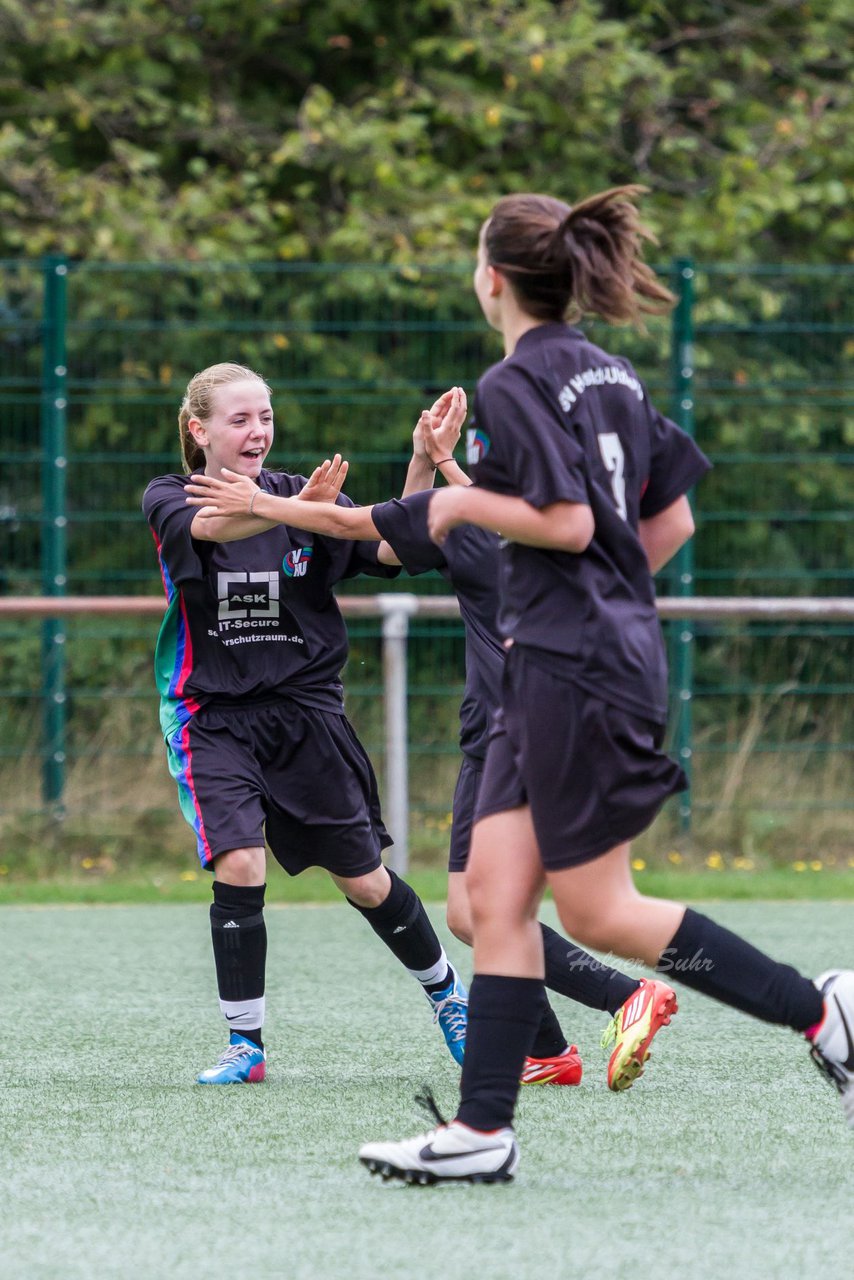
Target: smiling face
[239,432]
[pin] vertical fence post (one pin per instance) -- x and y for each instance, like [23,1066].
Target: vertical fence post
[53,526]
[397,609]
[682,385]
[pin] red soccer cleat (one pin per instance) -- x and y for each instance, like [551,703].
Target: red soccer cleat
[564,1068]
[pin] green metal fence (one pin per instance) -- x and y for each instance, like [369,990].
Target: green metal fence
[93,361]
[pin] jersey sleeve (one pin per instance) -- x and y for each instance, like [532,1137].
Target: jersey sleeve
[518,445]
[165,508]
[361,557]
[675,465]
[403,524]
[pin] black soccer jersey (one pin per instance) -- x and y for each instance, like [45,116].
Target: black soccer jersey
[469,561]
[252,618]
[562,420]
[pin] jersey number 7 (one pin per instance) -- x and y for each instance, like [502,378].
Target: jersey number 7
[611,449]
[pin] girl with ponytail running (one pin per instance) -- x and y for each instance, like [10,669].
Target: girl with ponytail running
[586,482]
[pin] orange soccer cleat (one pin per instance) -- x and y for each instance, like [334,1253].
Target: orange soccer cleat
[633,1026]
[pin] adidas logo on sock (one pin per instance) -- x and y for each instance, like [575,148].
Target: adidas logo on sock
[231,925]
[401,928]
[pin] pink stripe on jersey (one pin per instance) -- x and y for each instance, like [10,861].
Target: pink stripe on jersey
[186,660]
[168,585]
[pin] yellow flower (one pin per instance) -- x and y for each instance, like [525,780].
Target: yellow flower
[715,862]
[493,115]
[675,857]
[816,864]
[743,864]
[799,866]
[4,870]
[87,864]
[189,875]
[280,341]
[638,864]
[537,63]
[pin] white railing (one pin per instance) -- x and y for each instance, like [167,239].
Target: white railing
[396,609]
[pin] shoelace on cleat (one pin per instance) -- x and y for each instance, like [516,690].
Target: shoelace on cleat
[450,1013]
[428,1102]
[829,1069]
[610,1033]
[233,1052]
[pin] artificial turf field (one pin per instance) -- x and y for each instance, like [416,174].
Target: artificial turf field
[730,1157]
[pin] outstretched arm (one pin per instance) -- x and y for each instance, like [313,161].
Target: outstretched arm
[228,515]
[238,499]
[561,526]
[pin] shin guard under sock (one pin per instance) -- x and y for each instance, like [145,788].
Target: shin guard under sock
[574,973]
[239,937]
[504,1014]
[709,958]
[405,928]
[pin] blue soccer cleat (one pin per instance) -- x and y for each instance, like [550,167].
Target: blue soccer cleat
[241,1063]
[451,1011]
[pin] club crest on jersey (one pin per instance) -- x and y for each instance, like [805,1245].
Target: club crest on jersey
[296,562]
[477,445]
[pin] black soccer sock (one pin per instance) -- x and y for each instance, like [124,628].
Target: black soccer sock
[239,937]
[575,973]
[405,928]
[709,958]
[504,1014]
[549,1039]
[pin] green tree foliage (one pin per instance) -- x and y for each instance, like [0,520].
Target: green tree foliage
[381,130]
[377,133]
[204,131]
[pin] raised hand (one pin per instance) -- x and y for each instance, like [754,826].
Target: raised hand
[439,407]
[419,448]
[326,481]
[442,432]
[230,496]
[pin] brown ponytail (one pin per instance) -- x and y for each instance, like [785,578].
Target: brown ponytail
[566,262]
[198,403]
